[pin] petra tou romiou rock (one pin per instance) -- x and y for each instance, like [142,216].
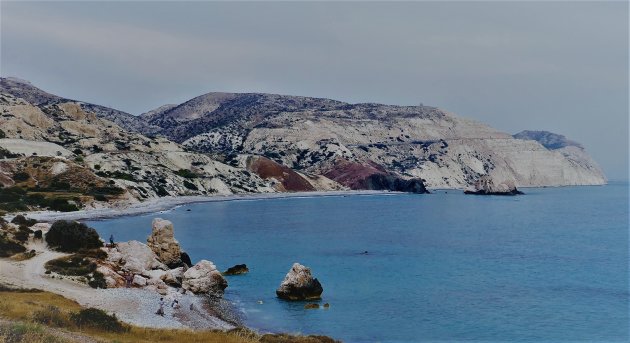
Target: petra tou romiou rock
[299,284]
[204,277]
[162,241]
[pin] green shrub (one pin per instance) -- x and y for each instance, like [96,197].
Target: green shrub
[190,185]
[74,265]
[21,220]
[93,318]
[9,247]
[97,280]
[186,173]
[72,236]
[21,176]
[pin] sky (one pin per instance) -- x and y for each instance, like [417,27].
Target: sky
[556,66]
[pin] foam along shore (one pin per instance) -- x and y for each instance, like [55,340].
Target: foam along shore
[169,202]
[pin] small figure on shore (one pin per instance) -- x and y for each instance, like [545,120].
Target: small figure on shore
[175,304]
[160,310]
[128,279]
[192,307]
[111,241]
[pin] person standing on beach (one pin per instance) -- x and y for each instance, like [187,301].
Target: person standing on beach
[160,310]
[111,241]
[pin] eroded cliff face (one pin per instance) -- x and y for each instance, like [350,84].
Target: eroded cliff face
[224,143]
[444,150]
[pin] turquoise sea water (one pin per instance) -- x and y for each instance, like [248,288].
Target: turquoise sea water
[547,266]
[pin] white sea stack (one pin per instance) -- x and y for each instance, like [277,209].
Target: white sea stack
[299,284]
[162,241]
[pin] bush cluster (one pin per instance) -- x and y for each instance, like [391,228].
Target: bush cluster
[70,236]
[92,318]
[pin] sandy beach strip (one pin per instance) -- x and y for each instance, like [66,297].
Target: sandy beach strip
[169,202]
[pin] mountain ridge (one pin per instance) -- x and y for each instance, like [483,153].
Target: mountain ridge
[289,143]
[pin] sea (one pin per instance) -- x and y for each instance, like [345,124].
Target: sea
[548,266]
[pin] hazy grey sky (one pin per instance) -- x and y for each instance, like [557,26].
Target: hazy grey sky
[557,66]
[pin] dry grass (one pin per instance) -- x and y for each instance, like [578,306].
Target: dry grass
[25,305]
[27,332]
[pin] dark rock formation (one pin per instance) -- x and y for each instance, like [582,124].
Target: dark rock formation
[185,259]
[289,179]
[237,269]
[372,176]
[486,186]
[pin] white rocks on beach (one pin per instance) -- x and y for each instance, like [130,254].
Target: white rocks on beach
[299,284]
[139,280]
[162,241]
[204,277]
[135,257]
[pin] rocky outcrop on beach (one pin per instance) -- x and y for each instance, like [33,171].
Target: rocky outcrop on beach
[163,243]
[299,284]
[204,278]
[487,186]
[135,257]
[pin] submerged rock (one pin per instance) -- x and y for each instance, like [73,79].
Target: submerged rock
[486,186]
[162,241]
[237,269]
[299,284]
[311,306]
[204,277]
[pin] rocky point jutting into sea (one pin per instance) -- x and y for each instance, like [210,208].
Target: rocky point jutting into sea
[227,143]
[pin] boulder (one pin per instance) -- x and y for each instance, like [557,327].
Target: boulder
[162,241]
[299,284]
[237,269]
[204,277]
[135,257]
[112,279]
[139,280]
[485,185]
[173,277]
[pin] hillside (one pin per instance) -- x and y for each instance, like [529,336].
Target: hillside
[344,141]
[67,154]
[59,155]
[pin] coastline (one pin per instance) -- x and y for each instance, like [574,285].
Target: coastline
[170,202]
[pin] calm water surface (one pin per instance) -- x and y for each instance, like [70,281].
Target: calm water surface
[550,265]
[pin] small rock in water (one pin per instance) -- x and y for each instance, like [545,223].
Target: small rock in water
[188,210]
[311,306]
[326,305]
[299,284]
[237,269]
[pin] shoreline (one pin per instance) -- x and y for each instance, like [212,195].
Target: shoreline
[171,202]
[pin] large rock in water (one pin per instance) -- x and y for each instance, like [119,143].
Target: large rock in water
[486,186]
[162,241]
[299,284]
[204,277]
